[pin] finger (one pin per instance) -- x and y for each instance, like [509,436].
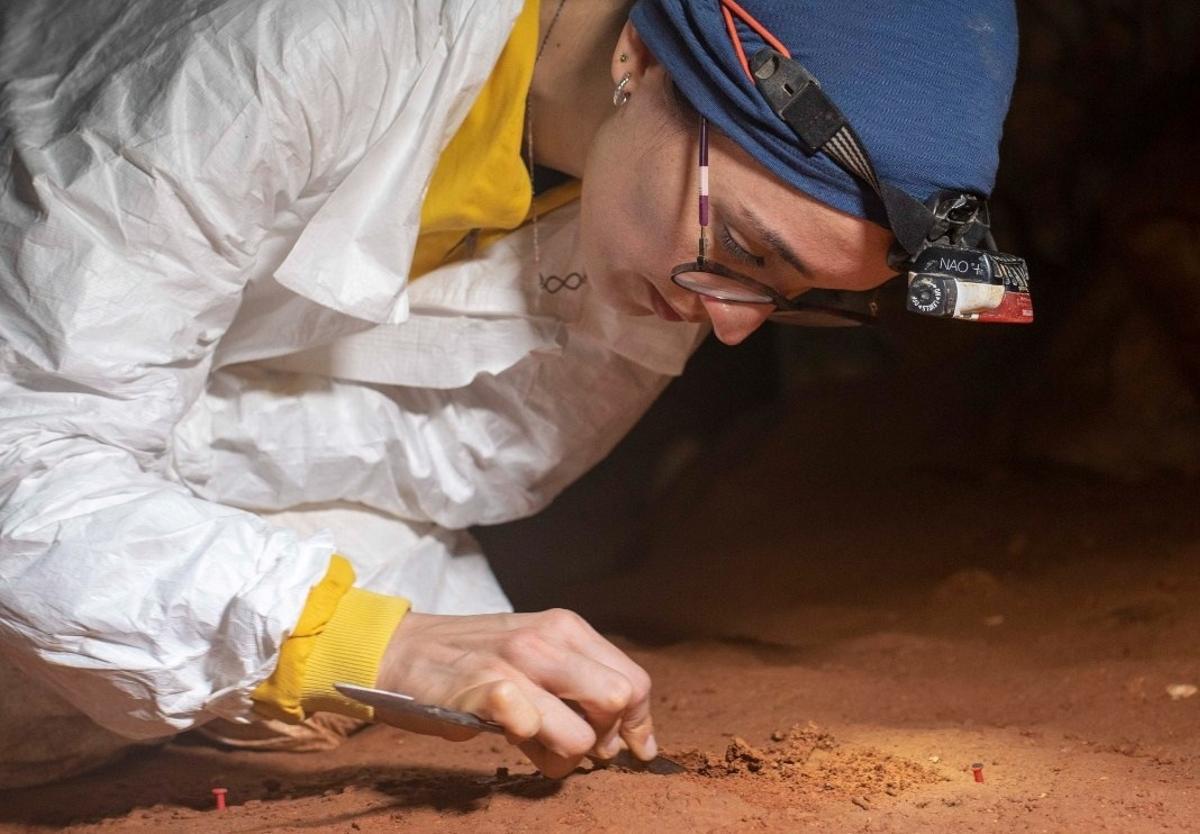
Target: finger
[551,765]
[601,692]
[637,728]
[609,744]
[503,702]
[563,732]
[574,632]
[636,723]
[562,739]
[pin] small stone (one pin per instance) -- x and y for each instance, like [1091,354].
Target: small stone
[1179,691]
[935,759]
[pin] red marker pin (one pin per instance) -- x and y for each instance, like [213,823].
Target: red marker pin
[219,793]
[977,769]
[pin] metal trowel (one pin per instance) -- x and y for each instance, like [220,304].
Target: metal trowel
[397,702]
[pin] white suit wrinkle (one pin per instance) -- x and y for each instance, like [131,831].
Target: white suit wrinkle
[151,153]
[212,373]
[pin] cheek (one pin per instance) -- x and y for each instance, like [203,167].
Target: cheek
[640,227]
[602,234]
[635,219]
[649,224]
[615,214]
[613,240]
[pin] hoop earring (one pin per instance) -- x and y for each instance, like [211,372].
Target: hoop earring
[619,94]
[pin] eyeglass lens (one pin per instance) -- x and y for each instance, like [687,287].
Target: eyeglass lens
[720,287]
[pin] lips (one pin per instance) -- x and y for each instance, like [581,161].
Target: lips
[661,308]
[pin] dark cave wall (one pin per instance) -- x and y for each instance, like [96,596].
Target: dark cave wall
[1098,189]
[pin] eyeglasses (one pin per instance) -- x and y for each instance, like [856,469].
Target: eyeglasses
[813,308]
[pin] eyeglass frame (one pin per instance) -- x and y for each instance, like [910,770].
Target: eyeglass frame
[845,307]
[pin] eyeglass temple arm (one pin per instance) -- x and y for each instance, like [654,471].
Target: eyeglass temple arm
[704,206]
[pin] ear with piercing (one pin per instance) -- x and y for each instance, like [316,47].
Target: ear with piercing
[620,95]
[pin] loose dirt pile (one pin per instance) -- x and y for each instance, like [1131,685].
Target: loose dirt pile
[810,764]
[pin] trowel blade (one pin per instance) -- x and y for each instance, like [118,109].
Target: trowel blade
[398,702]
[659,765]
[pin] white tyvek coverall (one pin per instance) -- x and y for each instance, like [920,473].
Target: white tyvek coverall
[207,212]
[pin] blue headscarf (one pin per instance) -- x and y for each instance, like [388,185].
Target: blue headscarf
[925,85]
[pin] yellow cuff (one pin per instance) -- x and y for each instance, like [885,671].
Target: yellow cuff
[349,651]
[340,637]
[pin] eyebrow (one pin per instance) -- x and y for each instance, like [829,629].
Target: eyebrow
[777,243]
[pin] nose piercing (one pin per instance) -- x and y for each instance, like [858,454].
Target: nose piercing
[619,94]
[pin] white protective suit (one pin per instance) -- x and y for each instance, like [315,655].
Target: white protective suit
[213,374]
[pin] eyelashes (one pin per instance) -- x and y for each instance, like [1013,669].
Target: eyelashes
[737,250]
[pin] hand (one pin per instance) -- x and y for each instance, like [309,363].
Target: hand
[520,670]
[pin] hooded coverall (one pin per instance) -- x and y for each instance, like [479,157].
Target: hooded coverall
[222,402]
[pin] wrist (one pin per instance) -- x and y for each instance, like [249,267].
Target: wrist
[350,650]
[393,663]
[340,636]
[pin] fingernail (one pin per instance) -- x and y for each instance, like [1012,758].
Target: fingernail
[651,748]
[610,750]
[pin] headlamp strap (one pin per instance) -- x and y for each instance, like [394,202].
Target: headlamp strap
[797,98]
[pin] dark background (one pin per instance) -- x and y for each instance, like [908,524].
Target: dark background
[1098,189]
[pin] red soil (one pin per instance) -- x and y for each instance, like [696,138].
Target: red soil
[831,664]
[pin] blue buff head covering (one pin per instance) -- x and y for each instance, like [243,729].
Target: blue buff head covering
[925,85]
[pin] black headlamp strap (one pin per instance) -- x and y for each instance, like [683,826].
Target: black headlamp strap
[844,148]
[796,96]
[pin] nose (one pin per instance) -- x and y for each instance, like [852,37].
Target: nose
[734,322]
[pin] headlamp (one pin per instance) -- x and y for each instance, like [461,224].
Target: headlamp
[944,249]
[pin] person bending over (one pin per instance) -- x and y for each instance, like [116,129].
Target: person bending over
[281,316]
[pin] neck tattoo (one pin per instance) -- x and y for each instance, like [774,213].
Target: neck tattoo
[549,283]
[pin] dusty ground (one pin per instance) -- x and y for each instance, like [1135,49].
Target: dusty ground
[832,655]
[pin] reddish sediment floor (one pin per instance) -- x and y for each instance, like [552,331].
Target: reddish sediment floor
[845,677]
